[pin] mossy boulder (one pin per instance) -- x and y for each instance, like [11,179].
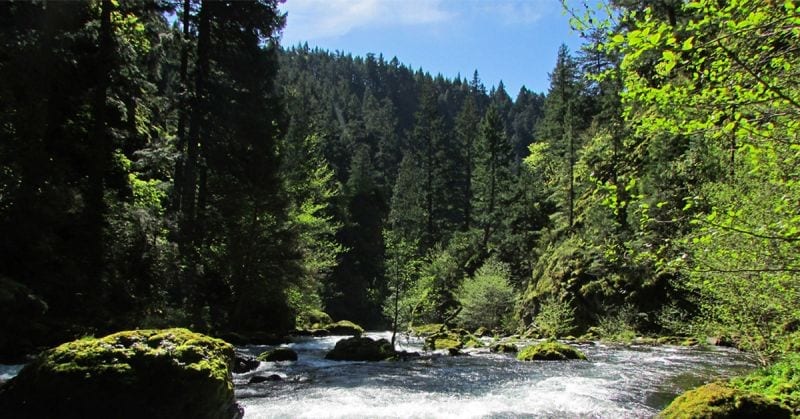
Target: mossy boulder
[472,341]
[313,319]
[549,351]
[361,349]
[444,341]
[425,330]
[483,332]
[345,327]
[717,400]
[166,373]
[278,354]
[504,348]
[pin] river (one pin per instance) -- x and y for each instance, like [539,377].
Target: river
[616,382]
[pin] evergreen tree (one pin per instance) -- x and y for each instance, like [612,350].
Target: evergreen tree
[493,177]
[561,125]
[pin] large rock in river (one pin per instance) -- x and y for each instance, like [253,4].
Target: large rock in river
[345,327]
[171,373]
[549,351]
[361,349]
[718,401]
[278,354]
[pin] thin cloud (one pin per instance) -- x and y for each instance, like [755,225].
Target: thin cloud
[519,12]
[319,19]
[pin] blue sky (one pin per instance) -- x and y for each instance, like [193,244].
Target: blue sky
[515,41]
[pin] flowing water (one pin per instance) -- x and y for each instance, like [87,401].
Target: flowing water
[616,382]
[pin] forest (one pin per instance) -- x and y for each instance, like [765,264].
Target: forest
[170,163]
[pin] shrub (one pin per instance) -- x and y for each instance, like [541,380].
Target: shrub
[555,318]
[487,298]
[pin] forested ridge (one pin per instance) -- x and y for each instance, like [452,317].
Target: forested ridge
[168,163]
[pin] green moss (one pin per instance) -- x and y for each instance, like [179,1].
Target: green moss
[483,332]
[278,354]
[504,347]
[165,373]
[345,327]
[472,341]
[549,351]
[444,340]
[427,329]
[717,400]
[313,319]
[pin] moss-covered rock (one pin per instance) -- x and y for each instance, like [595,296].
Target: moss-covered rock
[143,373]
[483,332]
[690,342]
[278,354]
[444,341]
[718,400]
[361,349]
[345,327]
[313,319]
[504,348]
[472,341]
[426,330]
[549,351]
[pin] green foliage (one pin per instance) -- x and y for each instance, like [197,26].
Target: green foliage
[675,321]
[722,78]
[402,272]
[779,382]
[312,188]
[487,299]
[618,324]
[555,317]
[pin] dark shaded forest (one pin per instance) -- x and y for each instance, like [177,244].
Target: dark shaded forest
[168,163]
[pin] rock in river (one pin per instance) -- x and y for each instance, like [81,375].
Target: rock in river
[345,327]
[549,351]
[361,349]
[170,373]
[278,354]
[718,400]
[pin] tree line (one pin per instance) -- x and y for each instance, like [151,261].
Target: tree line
[169,163]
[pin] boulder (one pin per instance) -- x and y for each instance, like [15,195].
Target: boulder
[320,333]
[425,330]
[345,327]
[504,348]
[361,349]
[278,354]
[314,317]
[472,341]
[721,341]
[549,351]
[244,363]
[166,373]
[717,400]
[443,340]
[483,332]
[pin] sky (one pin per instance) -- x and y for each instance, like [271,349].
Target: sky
[515,41]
